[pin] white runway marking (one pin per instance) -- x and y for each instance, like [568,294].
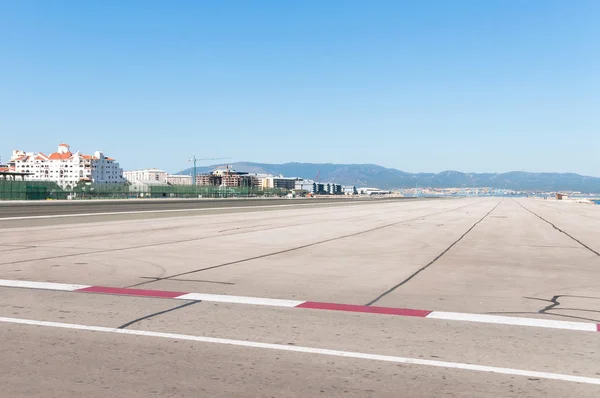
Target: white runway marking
[508,320]
[439,315]
[309,350]
[65,287]
[239,300]
[112,213]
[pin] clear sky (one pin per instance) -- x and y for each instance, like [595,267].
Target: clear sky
[475,86]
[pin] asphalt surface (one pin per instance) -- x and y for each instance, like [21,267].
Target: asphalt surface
[33,208]
[531,261]
[48,213]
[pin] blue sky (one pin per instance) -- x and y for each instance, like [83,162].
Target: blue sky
[475,86]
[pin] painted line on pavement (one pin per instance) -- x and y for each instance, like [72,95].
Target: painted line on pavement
[239,300]
[364,308]
[219,298]
[508,320]
[310,350]
[130,292]
[42,285]
[112,213]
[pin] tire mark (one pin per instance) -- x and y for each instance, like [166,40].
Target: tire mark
[553,208]
[158,313]
[103,251]
[392,289]
[302,246]
[155,279]
[157,230]
[139,246]
[559,230]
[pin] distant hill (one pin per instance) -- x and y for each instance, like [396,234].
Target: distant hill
[372,175]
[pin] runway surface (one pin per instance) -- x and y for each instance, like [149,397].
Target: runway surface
[24,212]
[465,297]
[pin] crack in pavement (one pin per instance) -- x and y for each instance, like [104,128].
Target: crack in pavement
[382,295]
[554,303]
[560,230]
[145,246]
[299,247]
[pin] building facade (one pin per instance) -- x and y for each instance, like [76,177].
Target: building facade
[349,190]
[176,179]
[65,168]
[272,182]
[305,185]
[146,175]
[227,178]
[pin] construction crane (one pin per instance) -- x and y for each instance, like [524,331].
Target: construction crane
[317,176]
[194,160]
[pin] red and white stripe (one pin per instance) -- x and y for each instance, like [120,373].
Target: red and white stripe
[439,315]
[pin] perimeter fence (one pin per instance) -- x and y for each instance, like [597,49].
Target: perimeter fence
[44,190]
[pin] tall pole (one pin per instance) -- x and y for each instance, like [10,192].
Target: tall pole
[194,171]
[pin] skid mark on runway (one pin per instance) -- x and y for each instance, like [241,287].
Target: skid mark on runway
[103,251]
[303,246]
[146,230]
[12,249]
[157,314]
[154,279]
[382,295]
[559,230]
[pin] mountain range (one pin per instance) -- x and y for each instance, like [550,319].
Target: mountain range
[371,175]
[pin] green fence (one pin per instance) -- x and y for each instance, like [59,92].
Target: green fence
[30,190]
[38,190]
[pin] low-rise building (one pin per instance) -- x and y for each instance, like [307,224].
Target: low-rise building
[177,179]
[349,190]
[273,182]
[146,175]
[333,189]
[227,178]
[145,188]
[305,185]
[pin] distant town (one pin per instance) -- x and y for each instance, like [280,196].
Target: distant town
[79,173]
[74,169]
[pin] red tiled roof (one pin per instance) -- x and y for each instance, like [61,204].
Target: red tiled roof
[60,156]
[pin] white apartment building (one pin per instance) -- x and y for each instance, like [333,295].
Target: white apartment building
[306,185]
[146,175]
[176,179]
[277,182]
[67,168]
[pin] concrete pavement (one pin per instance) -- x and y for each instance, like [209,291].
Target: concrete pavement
[521,258]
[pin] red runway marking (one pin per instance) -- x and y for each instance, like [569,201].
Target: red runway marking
[363,308]
[129,292]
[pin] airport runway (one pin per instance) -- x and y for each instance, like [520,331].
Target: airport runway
[468,297]
[40,213]
[32,208]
